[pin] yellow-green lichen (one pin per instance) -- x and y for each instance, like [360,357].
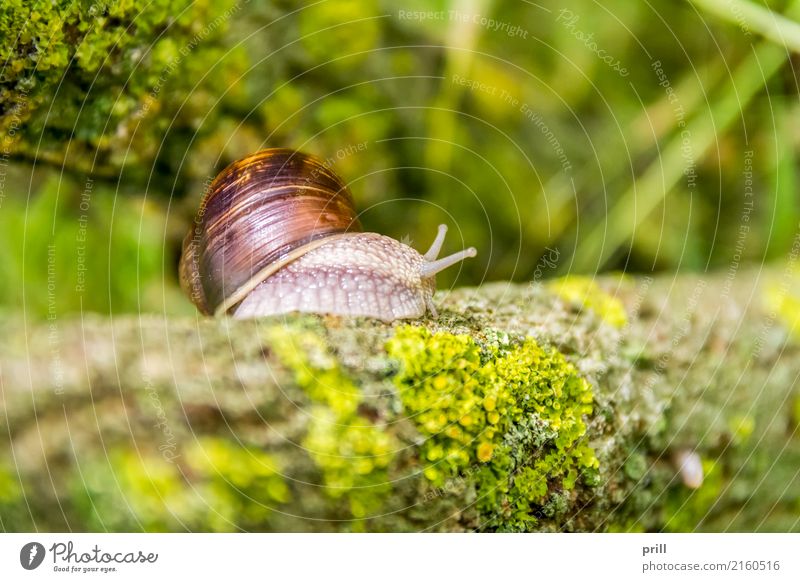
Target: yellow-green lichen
[585,293]
[516,414]
[783,299]
[352,453]
[215,485]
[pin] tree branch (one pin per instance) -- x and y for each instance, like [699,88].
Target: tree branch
[460,423]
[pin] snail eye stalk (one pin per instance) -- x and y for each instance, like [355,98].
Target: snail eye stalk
[430,269]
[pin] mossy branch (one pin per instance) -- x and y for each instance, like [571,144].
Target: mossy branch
[539,408]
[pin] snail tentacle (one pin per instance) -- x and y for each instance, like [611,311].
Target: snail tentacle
[436,247]
[429,269]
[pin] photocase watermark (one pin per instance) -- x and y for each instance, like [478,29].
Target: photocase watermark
[475,85]
[736,10]
[67,558]
[31,555]
[788,280]
[548,261]
[684,328]
[525,109]
[184,52]
[14,117]
[338,156]
[490,24]
[549,135]
[748,205]
[690,165]
[191,270]
[169,447]
[53,334]
[672,96]
[81,235]
[342,153]
[687,148]
[570,20]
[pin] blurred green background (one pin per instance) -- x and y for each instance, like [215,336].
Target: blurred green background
[615,135]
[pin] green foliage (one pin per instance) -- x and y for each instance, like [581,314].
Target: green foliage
[493,129]
[216,485]
[345,28]
[352,452]
[70,249]
[508,419]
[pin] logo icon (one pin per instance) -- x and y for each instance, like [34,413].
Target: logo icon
[31,555]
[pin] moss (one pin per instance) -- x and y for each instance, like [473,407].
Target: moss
[585,293]
[217,485]
[129,54]
[516,413]
[352,453]
[635,466]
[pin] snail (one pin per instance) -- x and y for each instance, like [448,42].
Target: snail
[690,467]
[277,232]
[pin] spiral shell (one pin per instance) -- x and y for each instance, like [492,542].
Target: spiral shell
[259,214]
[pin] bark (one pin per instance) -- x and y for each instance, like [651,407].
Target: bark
[101,417]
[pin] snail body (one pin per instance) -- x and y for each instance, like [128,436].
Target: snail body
[277,232]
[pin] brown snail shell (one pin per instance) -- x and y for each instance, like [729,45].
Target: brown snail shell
[277,232]
[257,214]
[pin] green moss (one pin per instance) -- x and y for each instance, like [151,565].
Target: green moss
[635,466]
[81,77]
[352,453]
[585,293]
[510,418]
[216,485]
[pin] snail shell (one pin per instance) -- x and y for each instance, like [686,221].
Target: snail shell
[277,232]
[258,213]
[690,467]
